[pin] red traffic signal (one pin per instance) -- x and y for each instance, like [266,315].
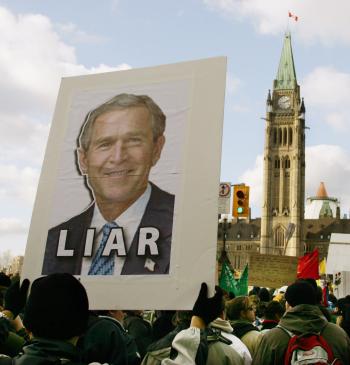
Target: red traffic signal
[240,201]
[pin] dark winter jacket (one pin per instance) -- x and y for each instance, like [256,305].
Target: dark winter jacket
[247,333]
[133,355]
[46,352]
[301,319]
[103,342]
[11,343]
[140,330]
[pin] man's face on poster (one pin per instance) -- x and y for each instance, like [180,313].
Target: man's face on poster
[120,155]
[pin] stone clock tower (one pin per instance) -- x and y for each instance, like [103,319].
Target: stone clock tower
[284,162]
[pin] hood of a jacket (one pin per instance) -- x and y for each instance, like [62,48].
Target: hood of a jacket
[241,327]
[43,351]
[303,318]
[222,325]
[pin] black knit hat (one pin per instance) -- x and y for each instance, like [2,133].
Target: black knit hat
[57,307]
[5,280]
[301,292]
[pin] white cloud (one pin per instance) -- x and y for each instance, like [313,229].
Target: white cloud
[328,90]
[33,59]
[253,177]
[337,121]
[327,86]
[12,226]
[318,19]
[17,183]
[334,171]
[22,138]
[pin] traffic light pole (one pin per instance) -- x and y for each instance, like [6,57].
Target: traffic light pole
[223,255]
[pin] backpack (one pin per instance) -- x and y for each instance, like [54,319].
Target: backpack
[308,349]
[155,357]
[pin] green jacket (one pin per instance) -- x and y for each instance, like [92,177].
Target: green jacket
[302,318]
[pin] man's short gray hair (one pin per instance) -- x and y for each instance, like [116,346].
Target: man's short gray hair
[123,101]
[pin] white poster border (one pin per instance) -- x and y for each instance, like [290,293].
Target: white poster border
[193,257]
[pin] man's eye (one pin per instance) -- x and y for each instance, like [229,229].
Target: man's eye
[104,145]
[135,140]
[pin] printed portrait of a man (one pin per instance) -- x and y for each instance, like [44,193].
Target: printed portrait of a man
[127,228]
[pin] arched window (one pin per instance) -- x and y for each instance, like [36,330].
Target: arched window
[277,162]
[290,136]
[287,162]
[279,136]
[279,237]
[284,136]
[275,136]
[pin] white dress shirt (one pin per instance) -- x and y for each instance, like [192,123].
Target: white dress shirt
[129,220]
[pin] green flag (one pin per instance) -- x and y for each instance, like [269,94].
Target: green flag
[227,280]
[242,283]
[230,284]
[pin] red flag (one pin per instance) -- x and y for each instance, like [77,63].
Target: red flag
[325,296]
[295,17]
[308,266]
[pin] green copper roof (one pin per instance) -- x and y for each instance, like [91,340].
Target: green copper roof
[286,78]
[326,210]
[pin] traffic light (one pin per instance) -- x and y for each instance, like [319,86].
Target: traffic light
[240,201]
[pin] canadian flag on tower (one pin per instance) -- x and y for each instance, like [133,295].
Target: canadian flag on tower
[295,17]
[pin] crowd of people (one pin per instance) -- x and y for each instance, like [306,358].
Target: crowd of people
[53,325]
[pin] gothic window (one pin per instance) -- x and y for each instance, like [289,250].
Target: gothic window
[280,136]
[279,237]
[284,136]
[275,136]
[290,137]
[287,163]
[277,162]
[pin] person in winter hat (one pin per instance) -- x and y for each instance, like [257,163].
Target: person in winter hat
[56,314]
[241,314]
[302,316]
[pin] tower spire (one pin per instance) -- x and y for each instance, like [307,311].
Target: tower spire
[286,77]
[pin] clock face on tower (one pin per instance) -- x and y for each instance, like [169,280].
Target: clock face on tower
[284,102]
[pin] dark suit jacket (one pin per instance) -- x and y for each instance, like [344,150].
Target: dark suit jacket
[159,213]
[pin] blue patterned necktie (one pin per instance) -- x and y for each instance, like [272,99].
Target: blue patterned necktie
[103,265]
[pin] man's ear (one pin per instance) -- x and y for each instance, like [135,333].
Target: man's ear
[157,149]
[81,155]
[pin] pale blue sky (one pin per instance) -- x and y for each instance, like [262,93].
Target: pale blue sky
[43,40]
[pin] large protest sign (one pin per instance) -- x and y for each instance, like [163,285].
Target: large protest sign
[131,158]
[272,271]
